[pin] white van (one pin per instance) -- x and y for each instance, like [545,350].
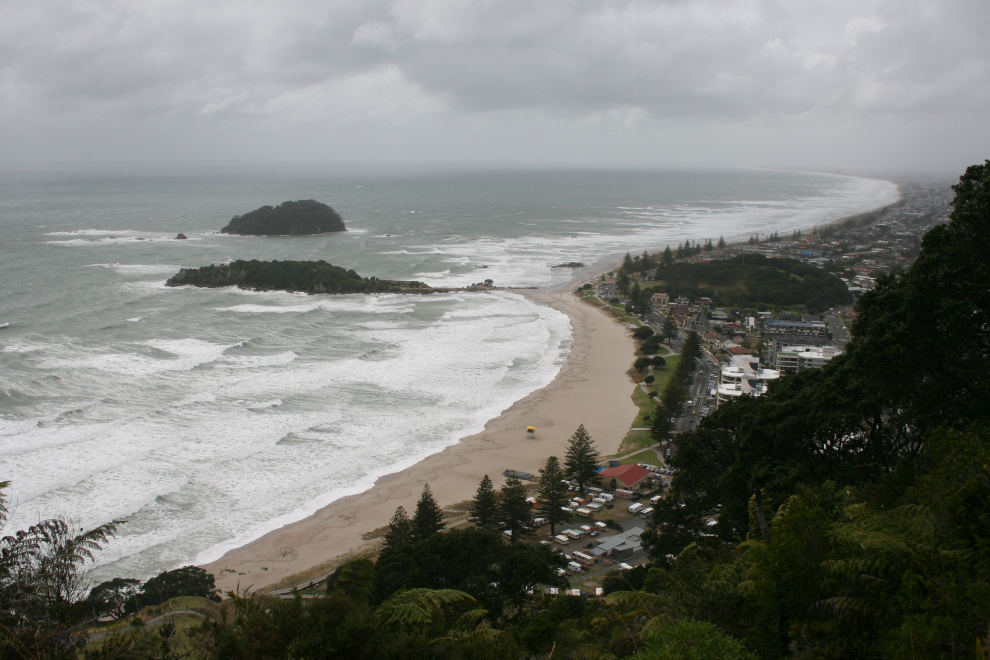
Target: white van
[561,539]
[573,533]
[633,508]
[647,511]
[601,525]
[574,567]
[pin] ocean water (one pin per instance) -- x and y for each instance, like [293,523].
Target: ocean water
[207,417]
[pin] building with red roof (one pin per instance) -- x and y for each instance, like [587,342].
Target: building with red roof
[625,475]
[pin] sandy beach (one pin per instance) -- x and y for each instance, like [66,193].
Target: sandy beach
[592,388]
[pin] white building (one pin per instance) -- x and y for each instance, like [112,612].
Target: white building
[799,358]
[744,375]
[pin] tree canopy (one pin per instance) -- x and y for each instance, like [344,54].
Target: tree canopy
[581,459]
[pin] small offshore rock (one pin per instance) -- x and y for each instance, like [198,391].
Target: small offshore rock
[181,237]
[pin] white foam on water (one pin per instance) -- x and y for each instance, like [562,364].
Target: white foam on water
[209,445]
[229,413]
[268,309]
[92,232]
[175,355]
[141,269]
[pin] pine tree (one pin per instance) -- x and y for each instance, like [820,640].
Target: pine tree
[668,257]
[553,495]
[708,246]
[515,511]
[582,457]
[661,424]
[400,530]
[752,239]
[622,282]
[484,508]
[627,262]
[428,519]
[721,242]
[635,293]
[669,330]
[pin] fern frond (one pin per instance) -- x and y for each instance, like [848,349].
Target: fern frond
[842,607]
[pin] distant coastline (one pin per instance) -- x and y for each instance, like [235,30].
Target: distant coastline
[592,387]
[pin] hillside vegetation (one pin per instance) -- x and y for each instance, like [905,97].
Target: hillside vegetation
[306,276]
[752,279]
[287,219]
[843,514]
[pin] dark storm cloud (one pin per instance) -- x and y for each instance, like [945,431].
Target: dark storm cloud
[510,63]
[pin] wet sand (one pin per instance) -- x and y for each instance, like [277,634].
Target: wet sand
[592,388]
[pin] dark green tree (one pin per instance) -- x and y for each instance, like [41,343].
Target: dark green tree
[400,530]
[484,507]
[553,495]
[668,257]
[514,510]
[622,282]
[185,581]
[661,424]
[721,242]
[627,262]
[643,332]
[114,598]
[581,459]
[428,519]
[669,329]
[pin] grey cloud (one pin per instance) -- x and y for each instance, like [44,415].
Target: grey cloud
[656,69]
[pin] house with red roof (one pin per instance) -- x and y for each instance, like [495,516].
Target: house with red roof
[627,476]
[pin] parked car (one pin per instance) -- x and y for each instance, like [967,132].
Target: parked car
[609,506]
[595,533]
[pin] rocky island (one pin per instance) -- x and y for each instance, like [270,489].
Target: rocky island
[295,276]
[287,219]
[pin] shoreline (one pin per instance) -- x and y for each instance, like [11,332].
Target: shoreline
[591,388]
[602,402]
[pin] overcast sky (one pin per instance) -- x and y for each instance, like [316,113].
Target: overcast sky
[861,85]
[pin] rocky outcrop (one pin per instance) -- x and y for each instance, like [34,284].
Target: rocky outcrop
[287,219]
[301,276]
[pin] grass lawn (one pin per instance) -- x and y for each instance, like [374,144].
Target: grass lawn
[634,440]
[647,456]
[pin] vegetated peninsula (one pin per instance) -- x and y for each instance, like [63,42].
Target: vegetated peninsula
[306,216]
[753,280]
[295,276]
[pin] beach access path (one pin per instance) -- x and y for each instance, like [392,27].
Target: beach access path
[592,388]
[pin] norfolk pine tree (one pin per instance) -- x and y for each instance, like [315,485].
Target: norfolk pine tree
[581,459]
[669,329]
[553,495]
[428,519]
[515,511]
[400,530]
[484,508]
